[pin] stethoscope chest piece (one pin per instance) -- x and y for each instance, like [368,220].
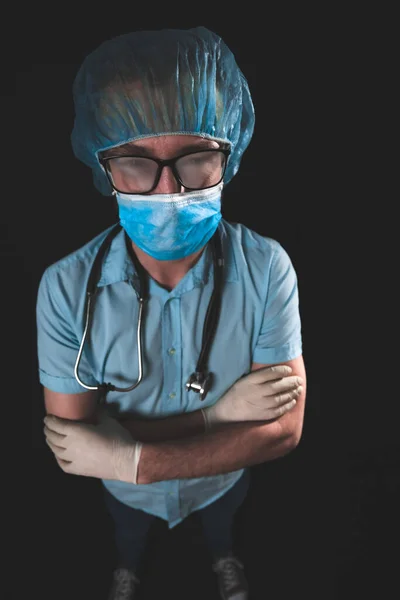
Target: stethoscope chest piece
[200,383]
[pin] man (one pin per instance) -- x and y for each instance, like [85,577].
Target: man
[163,119]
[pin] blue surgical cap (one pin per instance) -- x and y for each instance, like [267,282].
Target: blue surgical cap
[165,82]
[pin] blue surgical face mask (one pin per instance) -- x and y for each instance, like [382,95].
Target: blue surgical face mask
[171,226]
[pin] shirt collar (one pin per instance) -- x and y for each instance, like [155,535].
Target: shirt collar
[118,266]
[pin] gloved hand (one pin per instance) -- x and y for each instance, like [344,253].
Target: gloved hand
[261,395]
[105,450]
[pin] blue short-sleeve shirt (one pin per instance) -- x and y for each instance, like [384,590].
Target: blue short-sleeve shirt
[259,322]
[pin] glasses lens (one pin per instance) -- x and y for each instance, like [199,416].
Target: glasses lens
[137,175]
[132,175]
[201,169]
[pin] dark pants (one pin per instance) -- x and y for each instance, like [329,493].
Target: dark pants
[131,525]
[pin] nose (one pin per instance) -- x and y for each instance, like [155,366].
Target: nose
[167,183]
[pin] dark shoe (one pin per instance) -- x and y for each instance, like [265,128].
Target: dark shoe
[124,585]
[232,583]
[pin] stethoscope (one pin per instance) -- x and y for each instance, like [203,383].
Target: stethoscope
[201,380]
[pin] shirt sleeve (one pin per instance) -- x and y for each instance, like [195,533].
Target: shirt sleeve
[57,344]
[280,339]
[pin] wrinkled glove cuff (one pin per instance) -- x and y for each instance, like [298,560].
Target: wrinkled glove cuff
[138,451]
[207,425]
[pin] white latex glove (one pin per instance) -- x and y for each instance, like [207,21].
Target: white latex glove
[105,450]
[261,395]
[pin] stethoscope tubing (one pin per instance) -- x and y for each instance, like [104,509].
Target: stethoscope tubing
[210,323]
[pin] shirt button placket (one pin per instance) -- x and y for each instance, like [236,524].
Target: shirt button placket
[172,377]
[171,352]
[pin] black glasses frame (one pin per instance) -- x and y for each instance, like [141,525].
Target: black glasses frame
[161,164]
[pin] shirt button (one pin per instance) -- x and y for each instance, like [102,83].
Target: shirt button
[172,395]
[171,351]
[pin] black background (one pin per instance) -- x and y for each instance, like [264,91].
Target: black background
[317,523]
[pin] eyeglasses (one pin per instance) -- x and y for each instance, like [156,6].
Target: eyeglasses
[139,175]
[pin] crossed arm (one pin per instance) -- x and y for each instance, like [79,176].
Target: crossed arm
[177,447]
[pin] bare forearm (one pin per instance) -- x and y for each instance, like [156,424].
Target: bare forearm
[175,427]
[230,448]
